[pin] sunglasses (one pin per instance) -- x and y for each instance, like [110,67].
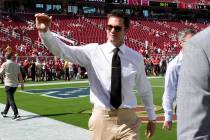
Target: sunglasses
[116,28]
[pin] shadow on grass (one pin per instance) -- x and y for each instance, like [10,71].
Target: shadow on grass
[27,117]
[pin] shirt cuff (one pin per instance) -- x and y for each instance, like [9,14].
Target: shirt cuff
[151,114]
[168,116]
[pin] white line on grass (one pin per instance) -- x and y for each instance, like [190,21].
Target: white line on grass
[71,82]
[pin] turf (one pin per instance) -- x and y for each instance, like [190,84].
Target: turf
[76,110]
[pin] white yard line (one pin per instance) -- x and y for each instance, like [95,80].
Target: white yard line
[69,82]
[52,83]
[35,127]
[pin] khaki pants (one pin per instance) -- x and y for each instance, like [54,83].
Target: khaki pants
[120,124]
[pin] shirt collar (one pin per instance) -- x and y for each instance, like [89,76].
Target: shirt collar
[9,60]
[110,47]
[180,55]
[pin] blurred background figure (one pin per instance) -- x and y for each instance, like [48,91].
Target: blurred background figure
[171,78]
[193,93]
[12,77]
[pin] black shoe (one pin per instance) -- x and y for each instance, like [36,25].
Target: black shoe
[3,115]
[16,117]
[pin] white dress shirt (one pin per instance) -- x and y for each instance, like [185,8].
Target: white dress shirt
[97,59]
[170,88]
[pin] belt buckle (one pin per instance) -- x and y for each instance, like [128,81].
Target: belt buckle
[113,112]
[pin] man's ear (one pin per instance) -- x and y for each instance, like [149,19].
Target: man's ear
[181,43]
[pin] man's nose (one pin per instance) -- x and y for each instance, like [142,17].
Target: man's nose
[112,30]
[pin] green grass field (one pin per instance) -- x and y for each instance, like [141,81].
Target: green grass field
[76,110]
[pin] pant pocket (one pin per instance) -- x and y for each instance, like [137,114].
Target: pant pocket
[90,122]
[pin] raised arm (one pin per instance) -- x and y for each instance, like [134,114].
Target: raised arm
[43,22]
[75,54]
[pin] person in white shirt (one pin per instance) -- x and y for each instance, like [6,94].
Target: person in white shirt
[12,76]
[171,79]
[107,121]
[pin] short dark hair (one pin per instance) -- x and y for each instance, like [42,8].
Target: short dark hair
[119,13]
[184,32]
[8,55]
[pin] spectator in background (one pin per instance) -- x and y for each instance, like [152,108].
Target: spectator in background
[71,71]
[26,66]
[38,70]
[156,64]
[8,49]
[12,76]
[66,71]
[33,70]
[171,79]
[163,65]
[75,69]
[43,71]
[22,71]
[111,61]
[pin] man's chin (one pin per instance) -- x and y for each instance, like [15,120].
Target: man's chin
[114,39]
[113,42]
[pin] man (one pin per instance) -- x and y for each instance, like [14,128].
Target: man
[193,93]
[113,70]
[11,72]
[171,79]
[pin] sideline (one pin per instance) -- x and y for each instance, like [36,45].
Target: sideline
[51,83]
[70,82]
[35,127]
